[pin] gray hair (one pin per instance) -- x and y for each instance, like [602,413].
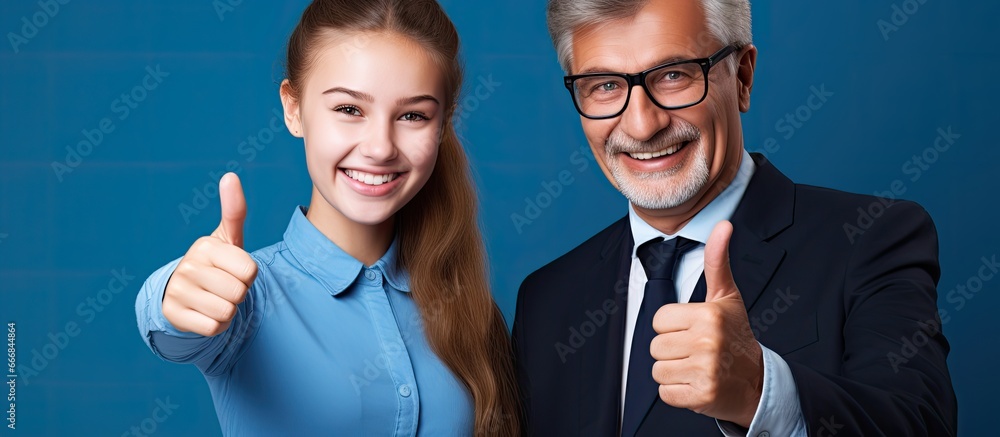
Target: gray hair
[728,21]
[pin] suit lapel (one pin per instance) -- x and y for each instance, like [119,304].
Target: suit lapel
[753,262]
[765,210]
[606,286]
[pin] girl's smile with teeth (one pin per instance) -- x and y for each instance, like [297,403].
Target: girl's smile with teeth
[370,178]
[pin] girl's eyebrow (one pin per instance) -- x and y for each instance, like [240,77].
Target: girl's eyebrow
[369,98]
[356,94]
[417,99]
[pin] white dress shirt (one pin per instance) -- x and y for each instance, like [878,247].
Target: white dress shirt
[779,412]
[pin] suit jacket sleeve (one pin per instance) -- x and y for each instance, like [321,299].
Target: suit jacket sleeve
[893,379]
[518,343]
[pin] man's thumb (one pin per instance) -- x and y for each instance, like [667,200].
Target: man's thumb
[234,209]
[719,280]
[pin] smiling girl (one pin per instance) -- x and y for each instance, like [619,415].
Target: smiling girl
[373,315]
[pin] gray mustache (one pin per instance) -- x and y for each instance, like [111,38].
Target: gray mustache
[619,142]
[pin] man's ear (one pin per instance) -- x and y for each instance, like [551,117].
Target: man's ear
[290,103]
[747,61]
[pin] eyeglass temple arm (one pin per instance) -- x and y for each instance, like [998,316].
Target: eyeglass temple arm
[721,54]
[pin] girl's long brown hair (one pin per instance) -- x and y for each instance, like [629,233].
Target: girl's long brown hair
[440,243]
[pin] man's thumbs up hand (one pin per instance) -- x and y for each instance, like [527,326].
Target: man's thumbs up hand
[707,359]
[213,277]
[719,281]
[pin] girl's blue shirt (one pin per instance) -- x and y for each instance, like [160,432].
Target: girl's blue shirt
[322,344]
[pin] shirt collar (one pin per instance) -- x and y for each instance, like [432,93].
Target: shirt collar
[701,225]
[329,264]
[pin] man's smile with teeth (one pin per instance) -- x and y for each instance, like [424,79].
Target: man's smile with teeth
[650,155]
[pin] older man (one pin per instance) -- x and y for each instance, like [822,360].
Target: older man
[672,321]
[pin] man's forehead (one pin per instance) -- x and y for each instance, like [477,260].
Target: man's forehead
[661,31]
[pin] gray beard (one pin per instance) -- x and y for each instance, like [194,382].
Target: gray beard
[665,189]
[657,190]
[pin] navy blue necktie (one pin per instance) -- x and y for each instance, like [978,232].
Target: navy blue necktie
[659,259]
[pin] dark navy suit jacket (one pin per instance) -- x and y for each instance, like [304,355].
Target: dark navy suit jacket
[842,286]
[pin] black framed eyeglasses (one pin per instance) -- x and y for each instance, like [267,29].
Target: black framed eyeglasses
[674,85]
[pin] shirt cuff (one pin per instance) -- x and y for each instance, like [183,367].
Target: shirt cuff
[150,301]
[779,412]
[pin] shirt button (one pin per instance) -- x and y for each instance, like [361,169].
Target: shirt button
[404,391]
[370,275]
[764,434]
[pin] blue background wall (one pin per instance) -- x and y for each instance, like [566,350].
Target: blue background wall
[64,235]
